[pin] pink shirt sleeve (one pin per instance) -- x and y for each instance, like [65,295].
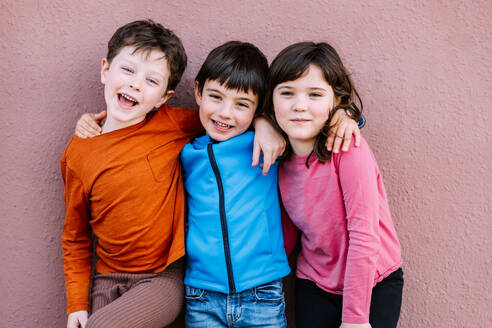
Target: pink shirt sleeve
[358,175]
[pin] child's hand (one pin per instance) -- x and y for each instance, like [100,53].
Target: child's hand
[88,125]
[343,129]
[77,319]
[269,142]
[355,325]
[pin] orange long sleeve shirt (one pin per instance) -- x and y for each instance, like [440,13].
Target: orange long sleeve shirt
[125,188]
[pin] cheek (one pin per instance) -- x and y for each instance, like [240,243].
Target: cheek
[281,110]
[322,111]
[206,109]
[244,119]
[203,117]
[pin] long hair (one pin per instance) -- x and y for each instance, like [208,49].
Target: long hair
[291,63]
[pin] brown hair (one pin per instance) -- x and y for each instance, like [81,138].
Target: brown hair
[146,35]
[291,63]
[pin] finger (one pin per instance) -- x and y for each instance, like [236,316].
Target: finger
[330,140]
[92,123]
[357,137]
[88,132]
[338,139]
[347,137]
[83,322]
[99,116]
[267,162]
[81,131]
[72,322]
[281,150]
[346,141]
[256,154]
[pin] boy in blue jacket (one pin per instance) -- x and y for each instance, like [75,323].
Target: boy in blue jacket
[234,243]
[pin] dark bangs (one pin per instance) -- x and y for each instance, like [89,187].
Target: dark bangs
[291,63]
[236,65]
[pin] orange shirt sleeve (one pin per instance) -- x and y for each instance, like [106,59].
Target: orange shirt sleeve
[76,242]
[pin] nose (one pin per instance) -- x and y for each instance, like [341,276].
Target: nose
[136,83]
[225,110]
[300,103]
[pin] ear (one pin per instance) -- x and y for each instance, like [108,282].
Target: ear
[104,70]
[165,97]
[198,95]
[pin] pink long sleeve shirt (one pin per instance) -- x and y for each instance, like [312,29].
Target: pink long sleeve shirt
[348,239]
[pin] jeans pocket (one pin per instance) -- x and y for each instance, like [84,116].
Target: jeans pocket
[194,294]
[270,292]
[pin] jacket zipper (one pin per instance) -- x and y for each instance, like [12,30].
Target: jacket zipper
[223,221]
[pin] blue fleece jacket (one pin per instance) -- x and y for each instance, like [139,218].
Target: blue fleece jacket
[234,240]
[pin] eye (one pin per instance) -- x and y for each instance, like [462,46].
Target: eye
[127,69]
[243,105]
[215,96]
[152,81]
[315,94]
[286,93]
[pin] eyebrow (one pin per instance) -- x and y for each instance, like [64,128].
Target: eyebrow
[247,99]
[131,62]
[311,88]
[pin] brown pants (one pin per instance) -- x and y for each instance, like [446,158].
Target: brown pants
[148,300]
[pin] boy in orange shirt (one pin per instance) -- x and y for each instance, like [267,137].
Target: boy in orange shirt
[125,188]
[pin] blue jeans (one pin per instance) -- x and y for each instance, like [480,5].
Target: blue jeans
[262,306]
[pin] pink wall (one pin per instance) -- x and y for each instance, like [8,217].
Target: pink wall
[424,71]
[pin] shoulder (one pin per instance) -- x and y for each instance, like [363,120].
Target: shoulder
[245,138]
[80,152]
[362,150]
[178,113]
[356,157]
[74,150]
[187,120]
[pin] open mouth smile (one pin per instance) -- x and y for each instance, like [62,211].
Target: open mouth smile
[221,125]
[126,101]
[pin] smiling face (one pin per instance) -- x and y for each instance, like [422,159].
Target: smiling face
[134,83]
[302,108]
[224,112]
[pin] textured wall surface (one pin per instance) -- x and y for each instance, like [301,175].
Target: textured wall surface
[422,67]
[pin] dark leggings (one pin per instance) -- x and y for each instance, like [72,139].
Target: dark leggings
[318,308]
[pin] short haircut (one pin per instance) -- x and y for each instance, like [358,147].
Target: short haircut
[237,65]
[146,35]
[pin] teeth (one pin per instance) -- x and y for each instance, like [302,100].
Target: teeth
[222,125]
[129,98]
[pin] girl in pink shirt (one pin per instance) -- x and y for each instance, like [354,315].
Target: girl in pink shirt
[348,269]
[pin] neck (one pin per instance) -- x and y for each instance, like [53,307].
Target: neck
[301,147]
[111,124]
